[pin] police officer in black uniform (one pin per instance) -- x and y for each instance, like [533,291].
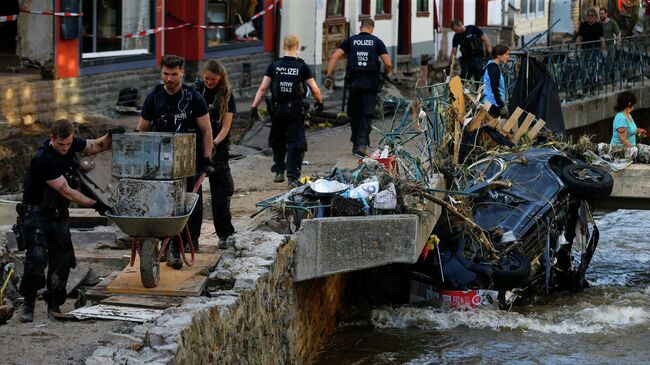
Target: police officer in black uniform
[49,187]
[217,92]
[473,44]
[177,108]
[363,77]
[287,78]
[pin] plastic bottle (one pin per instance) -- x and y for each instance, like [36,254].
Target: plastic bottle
[384,153]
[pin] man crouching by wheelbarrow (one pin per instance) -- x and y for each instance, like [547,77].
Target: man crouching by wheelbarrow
[50,186]
[177,108]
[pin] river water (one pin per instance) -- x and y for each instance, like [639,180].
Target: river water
[608,323]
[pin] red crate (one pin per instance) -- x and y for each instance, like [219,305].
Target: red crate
[389,163]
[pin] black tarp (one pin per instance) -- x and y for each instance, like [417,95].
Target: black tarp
[536,92]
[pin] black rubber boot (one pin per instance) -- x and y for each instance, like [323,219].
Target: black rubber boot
[361,150]
[223,244]
[174,256]
[195,243]
[53,308]
[293,183]
[27,314]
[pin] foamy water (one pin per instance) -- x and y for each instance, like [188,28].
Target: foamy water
[608,323]
[600,319]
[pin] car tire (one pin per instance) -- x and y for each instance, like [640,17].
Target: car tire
[512,271]
[586,181]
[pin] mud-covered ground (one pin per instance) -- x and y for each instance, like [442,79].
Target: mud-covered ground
[19,142]
[56,342]
[48,341]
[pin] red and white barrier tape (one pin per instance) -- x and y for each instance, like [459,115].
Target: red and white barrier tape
[48,12]
[11,18]
[147,32]
[8,18]
[159,29]
[255,16]
[144,33]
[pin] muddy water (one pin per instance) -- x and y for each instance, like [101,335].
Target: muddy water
[606,324]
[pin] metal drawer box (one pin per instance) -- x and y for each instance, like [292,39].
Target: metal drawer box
[154,155]
[150,198]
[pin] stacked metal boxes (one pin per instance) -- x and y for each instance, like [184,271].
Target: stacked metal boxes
[152,168]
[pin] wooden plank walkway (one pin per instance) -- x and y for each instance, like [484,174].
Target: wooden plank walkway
[189,281]
[143,301]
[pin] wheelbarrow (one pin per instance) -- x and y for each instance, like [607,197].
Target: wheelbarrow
[151,235]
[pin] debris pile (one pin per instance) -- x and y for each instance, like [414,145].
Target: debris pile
[515,217]
[9,296]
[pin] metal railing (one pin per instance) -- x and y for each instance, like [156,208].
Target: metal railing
[416,127]
[587,69]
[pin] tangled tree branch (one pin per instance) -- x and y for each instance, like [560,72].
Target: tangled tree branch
[487,245]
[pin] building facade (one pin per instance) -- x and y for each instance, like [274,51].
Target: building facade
[413,30]
[108,36]
[85,60]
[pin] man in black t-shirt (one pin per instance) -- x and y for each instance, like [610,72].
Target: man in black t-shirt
[176,108]
[364,51]
[50,184]
[473,45]
[591,31]
[288,78]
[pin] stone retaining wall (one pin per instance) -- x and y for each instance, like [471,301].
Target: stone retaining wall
[27,98]
[255,314]
[589,110]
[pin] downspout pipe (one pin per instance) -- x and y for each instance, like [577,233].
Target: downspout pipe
[277,18]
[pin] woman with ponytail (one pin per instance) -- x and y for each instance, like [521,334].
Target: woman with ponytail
[216,90]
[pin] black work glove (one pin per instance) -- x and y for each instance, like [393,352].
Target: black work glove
[328,83]
[255,116]
[205,165]
[102,208]
[319,107]
[116,130]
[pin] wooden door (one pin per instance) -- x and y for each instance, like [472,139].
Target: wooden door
[404,28]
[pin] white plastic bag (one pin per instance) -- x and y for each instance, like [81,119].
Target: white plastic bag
[386,199]
[365,190]
[327,186]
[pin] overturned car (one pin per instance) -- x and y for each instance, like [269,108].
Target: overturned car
[533,206]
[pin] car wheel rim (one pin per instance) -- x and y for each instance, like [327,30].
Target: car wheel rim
[587,175]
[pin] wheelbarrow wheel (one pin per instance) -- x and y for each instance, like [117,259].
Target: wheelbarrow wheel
[149,265]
